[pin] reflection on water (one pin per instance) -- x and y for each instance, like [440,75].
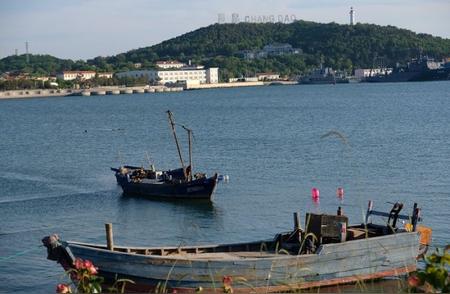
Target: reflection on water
[189,220]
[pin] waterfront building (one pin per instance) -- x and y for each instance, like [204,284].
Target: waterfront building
[361,73]
[80,74]
[243,79]
[15,75]
[186,75]
[106,75]
[45,78]
[169,64]
[83,75]
[267,76]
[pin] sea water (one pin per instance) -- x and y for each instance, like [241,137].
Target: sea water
[380,142]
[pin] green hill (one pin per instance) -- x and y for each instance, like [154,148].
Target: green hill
[339,46]
[40,64]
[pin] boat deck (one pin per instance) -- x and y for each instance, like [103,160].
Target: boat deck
[223,255]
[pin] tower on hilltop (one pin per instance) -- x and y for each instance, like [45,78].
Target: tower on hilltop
[352,16]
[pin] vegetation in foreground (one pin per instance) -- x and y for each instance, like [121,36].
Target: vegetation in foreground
[434,278]
[85,280]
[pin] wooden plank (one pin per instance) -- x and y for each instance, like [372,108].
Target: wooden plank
[370,243]
[109,237]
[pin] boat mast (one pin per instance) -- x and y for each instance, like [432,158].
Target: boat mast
[190,152]
[172,125]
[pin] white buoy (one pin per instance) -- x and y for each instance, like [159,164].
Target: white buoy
[224,178]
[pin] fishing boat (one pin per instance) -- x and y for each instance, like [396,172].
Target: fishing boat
[327,252]
[181,183]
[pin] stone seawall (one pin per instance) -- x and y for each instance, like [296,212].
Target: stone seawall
[33,93]
[36,93]
[125,90]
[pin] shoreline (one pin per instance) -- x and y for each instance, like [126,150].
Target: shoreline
[99,91]
[116,90]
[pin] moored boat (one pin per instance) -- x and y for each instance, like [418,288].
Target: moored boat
[181,183]
[327,252]
[421,69]
[170,184]
[324,75]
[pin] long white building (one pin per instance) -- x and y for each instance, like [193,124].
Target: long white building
[80,74]
[83,75]
[170,64]
[188,75]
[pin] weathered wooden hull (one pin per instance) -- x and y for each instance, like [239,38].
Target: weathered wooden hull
[338,263]
[197,189]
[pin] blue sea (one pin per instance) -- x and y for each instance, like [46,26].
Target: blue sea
[385,142]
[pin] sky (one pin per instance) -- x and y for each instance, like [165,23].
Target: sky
[84,29]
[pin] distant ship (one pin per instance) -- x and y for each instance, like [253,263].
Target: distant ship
[421,69]
[324,75]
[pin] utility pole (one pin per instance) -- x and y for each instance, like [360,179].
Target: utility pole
[26,50]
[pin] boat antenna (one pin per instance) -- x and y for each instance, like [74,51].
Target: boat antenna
[190,151]
[172,125]
[148,159]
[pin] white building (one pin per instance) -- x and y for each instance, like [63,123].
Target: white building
[243,79]
[72,75]
[197,75]
[361,73]
[106,75]
[267,76]
[169,64]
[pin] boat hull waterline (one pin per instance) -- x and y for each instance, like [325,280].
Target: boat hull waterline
[202,188]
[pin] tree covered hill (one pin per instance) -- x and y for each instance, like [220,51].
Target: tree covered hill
[339,46]
[40,64]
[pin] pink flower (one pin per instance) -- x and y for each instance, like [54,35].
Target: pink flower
[79,264]
[413,281]
[92,270]
[63,288]
[87,264]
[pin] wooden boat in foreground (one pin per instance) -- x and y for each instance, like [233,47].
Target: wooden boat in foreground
[327,252]
[180,183]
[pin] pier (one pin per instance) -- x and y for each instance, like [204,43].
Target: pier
[101,91]
[86,92]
